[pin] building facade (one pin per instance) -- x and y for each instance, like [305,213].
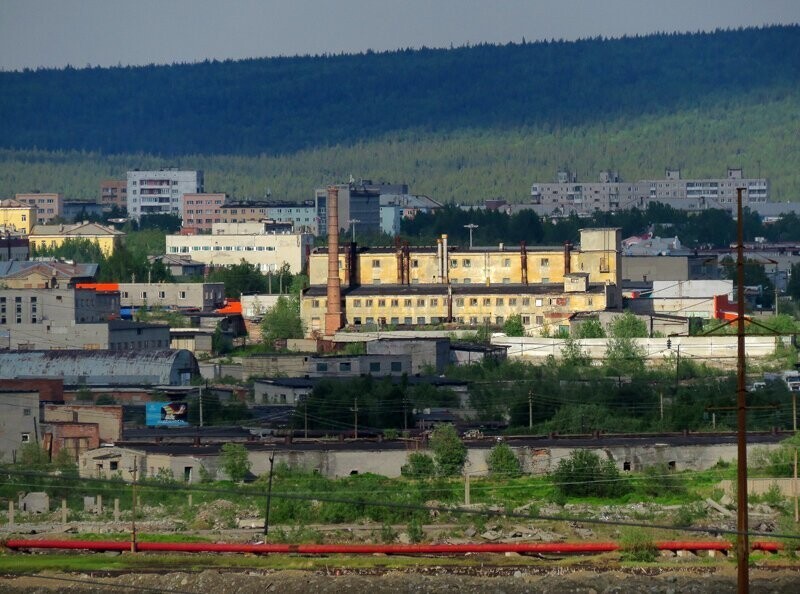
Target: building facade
[17,216]
[48,205]
[19,412]
[359,205]
[446,284]
[567,195]
[231,243]
[202,211]
[160,191]
[198,296]
[14,246]
[52,236]
[114,192]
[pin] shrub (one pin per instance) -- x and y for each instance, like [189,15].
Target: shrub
[449,451]
[585,474]
[235,461]
[638,546]
[415,532]
[502,461]
[661,480]
[418,466]
[687,514]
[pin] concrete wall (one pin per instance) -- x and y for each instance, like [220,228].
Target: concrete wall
[652,268]
[423,353]
[789,487]
[274,365]
[713,349]
[204,296]
[110,462]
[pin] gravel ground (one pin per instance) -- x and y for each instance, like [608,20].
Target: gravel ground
[433,579]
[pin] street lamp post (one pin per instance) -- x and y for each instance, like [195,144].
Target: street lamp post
[471,226]
[352,223]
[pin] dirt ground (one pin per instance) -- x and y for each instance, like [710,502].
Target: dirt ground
[429,579]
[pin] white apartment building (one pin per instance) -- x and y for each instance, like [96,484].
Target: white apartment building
[230,243]
[160,191]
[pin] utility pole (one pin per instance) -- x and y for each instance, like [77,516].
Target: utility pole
[269,494]
[305,419]
[133,507]
[352,223]
[530,409]
[794,412]
[661,405]
[471,226]
[355,417]
[405,413]
[794,489]
[678,369]
[742,542]
[200,401]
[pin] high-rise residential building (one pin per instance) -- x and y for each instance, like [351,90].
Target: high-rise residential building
[160,191]
[114,192]
[48,205]
[567,195]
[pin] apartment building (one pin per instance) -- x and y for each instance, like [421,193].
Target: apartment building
[114,192]
[202,211]
[48,205]
[396,207]
[567,195]
[52,236]
[160,191]
[230,243]
[17,216]
[359,205]
[448,284]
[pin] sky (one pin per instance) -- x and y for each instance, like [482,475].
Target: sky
[55,33]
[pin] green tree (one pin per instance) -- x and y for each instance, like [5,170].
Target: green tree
[449,451]
[624,356]
[513,326]
[282,320]
[502,462]
[628,325]
[241,278]
[235,462]
[418,466]
[572,355]
[584,474]
[591,328]
[33,456]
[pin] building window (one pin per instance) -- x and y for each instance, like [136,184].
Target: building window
[376,263]
[466,263]
[434,302]
[315,303]
[395,302]
[381,302]
[539,320]
[396,366]
[374,366]
[486,301]
[162,294]
[526,320]
[473,301]
[512,301]
[345,366]
[604,266]
[406,302]
[414,263]
[369,302]
[539,302]
[322,367]
[395,321]
[453,263]
[460,302]
[182,295]
[25,438]
[356,302]
[506,262]
[420,303]
[144,294]
[500,301]
[407,321]
[421,320]
[26,412]
[545,261]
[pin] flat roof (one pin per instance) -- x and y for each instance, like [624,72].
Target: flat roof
[457,289]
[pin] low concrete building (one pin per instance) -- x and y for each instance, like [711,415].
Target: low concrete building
[19,413]
[108,417]
[34,503]
[200,296]
[196,340]
[182,463]
[430,353]
[179,266]
[356,365]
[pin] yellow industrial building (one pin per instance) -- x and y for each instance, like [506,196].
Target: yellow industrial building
[17,216]
[52,236]
[420,286]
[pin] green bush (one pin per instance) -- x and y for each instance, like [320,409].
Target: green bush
[502,462]
[638,546]
[660,479]
[584,474]
[418,466]
[449,451]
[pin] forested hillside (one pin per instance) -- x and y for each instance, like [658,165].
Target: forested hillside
[469,165]
[459,125]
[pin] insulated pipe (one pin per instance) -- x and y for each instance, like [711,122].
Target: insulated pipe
[445,260]
[440,275]
[369,549]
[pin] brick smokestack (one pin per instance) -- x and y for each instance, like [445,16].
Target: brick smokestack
[333,312]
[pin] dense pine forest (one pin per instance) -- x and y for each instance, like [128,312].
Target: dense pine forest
[459,125]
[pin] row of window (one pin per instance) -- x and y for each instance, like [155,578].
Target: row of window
[433,320]
[346,366]
[161,294]
[185,249]
[460,302]
[138,344]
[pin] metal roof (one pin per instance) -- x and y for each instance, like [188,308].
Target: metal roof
[100,367]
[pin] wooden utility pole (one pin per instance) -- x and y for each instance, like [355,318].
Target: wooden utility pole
[269,494]
[530,409]
[742,541]
[133,507]
[355,417]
